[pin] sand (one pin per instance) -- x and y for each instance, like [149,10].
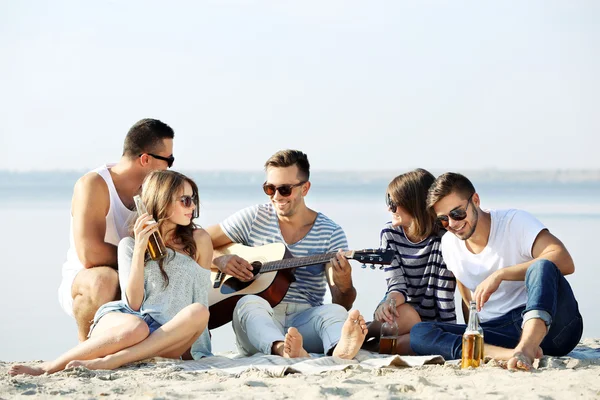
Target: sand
[555,378]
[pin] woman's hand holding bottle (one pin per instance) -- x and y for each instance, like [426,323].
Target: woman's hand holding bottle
[144,227]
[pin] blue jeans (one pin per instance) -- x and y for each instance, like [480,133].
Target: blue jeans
[549,297]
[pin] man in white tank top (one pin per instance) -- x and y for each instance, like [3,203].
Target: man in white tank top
[510,264]
[101,208]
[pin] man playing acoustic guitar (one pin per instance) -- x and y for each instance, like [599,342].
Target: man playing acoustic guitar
[311,326]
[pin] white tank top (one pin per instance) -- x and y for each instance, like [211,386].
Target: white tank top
[117,223]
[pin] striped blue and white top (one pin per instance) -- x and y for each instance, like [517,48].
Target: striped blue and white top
[258,225]
[420,274]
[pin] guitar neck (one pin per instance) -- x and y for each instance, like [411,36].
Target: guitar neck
[288,263]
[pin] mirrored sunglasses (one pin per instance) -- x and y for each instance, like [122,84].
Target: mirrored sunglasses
[458,214]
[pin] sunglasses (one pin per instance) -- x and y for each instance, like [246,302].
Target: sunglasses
[390,203]
[170,160]
[187,201]
[458,214]
[284,190]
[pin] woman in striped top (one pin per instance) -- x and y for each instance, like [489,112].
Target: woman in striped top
[417,279]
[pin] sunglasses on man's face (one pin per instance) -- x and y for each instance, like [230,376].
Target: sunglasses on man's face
[390,203]
[284,190]
[170,160]
[458,214]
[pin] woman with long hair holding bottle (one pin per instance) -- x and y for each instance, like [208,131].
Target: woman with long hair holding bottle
[164,306]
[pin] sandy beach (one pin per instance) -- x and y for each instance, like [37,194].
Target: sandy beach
[555,378]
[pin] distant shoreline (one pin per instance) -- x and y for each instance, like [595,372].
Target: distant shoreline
[226,177]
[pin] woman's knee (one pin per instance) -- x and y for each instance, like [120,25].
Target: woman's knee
[133,332]
[198,313]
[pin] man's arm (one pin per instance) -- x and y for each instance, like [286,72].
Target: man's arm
[339,277]
[89,207]
[229,264]
[546,246]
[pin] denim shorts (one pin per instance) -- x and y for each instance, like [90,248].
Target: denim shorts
[122,307]
[152,324]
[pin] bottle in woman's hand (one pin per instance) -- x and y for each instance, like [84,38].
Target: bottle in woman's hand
[156,246]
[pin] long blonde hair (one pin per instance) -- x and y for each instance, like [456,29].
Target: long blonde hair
[158,191]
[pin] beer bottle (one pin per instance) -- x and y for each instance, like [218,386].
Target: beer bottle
[472,342]
[156,246]
[389,332]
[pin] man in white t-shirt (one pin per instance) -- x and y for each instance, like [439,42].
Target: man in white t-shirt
[513,268]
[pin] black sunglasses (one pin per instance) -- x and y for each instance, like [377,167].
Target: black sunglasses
[284,190]
[170,160]
[390,203]
[458,214]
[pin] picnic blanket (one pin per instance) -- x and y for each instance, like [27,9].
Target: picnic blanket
[279,366]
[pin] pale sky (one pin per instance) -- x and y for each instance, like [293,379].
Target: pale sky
[357,85]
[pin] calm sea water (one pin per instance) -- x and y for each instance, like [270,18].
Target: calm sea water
[34,211]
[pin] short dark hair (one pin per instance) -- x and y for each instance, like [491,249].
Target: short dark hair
[450,182]
[409,191]
[288,158]
[146,136]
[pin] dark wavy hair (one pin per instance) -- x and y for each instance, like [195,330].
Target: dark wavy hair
[159,191]
[409,191]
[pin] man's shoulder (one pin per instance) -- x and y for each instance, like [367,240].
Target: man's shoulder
[509,216]
[324,222]
[91,184]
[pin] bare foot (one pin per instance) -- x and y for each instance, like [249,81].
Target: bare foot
[26,370]
[353,336]
[522,360]
[292,345]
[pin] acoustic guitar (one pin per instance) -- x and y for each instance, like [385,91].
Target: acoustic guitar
[273,274]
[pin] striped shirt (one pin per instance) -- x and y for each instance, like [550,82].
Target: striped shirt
[258,225]
[420,274]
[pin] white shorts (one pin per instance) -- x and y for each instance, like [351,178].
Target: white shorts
[65,297]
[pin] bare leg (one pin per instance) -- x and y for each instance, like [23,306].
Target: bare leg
[528,348]
[170,340]
[292,345]
[114,331]
[353,336]
[92,288]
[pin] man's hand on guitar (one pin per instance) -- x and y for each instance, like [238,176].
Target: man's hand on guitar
[342,272]
[234,266]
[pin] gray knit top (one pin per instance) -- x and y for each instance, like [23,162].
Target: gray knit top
[188,283]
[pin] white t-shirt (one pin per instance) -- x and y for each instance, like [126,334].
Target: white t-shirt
[512,235]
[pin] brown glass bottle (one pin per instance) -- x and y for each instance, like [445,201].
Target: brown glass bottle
[472,342]
[156,246]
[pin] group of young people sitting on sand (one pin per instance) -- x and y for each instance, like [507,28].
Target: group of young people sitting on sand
[129,307]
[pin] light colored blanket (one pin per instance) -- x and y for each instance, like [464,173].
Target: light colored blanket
[279,366]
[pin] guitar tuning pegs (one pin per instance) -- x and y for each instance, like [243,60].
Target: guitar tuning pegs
[372,266]
[363,265]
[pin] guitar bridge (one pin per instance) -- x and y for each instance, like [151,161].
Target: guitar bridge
[218,280]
